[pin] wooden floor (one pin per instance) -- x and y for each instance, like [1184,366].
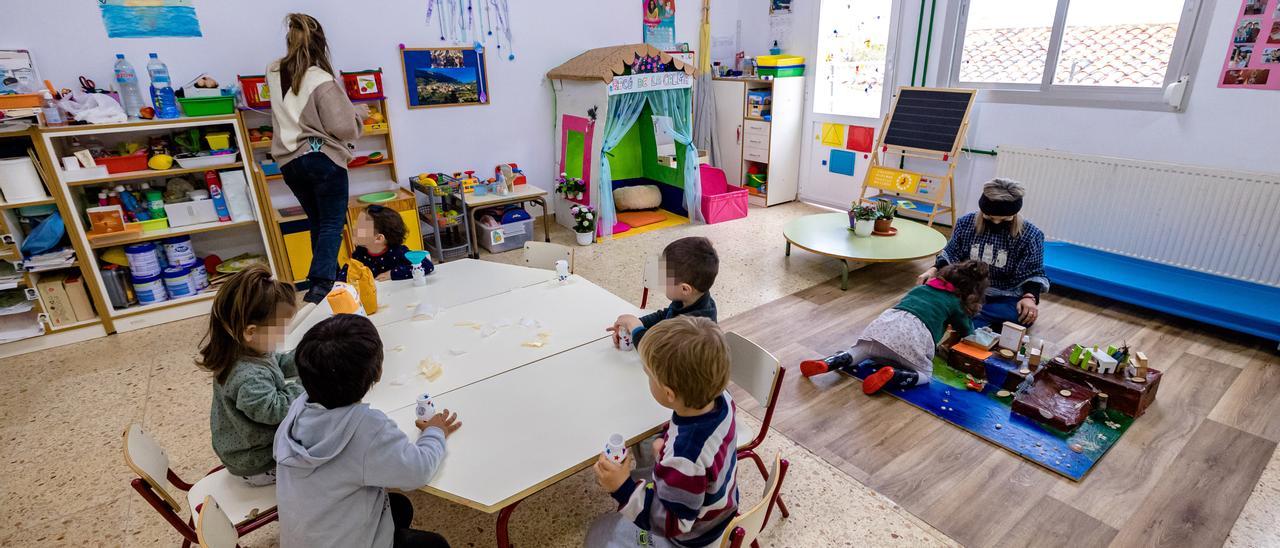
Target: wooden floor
[1179,477]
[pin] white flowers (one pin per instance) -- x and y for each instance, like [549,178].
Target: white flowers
[588,215]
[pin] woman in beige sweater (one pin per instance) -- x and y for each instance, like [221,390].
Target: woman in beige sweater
[315,125]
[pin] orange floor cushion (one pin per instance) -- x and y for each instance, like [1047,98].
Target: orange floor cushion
[640,218]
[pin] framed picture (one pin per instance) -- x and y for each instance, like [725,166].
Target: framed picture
[444,77]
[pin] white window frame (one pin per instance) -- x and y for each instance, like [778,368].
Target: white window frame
[1188,46]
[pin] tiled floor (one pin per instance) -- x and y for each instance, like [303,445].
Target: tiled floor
[62,412]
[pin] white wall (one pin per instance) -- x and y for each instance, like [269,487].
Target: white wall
[242,37]
[1219,127]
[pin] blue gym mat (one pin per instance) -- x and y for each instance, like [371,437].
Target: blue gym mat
[988,416]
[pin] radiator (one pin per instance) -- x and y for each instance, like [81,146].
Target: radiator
[1211,220]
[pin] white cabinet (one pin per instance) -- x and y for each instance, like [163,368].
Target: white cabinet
[751,144]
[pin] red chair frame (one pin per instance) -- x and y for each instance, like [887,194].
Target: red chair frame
[748,451]
[188,528]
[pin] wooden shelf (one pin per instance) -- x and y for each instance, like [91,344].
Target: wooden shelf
[13,205]
[388,163]
[139,124]
[151,174]
[289,218]
[74,325]
[171,232]
[266,143]
[208,294]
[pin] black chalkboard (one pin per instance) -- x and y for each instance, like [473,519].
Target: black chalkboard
[927,119]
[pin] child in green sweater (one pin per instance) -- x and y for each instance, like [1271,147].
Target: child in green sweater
[249,320]
[902,339]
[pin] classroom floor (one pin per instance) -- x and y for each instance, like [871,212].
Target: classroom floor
[1209,439]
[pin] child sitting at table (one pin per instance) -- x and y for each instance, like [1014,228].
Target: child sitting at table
[379,238]
[901,340]
[693,492]
[248,322]
[690,266]
[337,457]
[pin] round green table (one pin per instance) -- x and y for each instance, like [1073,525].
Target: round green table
[828,234]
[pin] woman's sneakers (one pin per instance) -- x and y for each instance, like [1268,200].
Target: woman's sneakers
[834,362]
[888,376]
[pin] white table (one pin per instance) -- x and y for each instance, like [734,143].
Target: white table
[451,284]
[532,416]
[523,193]
[573,314]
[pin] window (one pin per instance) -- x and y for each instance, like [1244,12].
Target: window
[1096,52]
[853,46]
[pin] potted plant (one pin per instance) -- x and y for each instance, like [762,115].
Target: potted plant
[862,219]
[584,223]
[885,210]
[571,187]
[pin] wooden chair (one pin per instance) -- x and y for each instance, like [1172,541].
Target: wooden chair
[214,528]
[247,507]
[760,374]
[544,255]
[651,279]
[748,525]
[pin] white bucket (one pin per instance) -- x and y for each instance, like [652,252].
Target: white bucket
[19,181]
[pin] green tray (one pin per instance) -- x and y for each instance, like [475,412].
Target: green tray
[208,106]
[377,197]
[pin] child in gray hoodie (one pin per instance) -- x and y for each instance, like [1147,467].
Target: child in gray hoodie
[336,457]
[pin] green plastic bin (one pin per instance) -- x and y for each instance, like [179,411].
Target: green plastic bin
[781,72]
[208,106]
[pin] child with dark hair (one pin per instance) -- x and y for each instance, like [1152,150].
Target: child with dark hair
[902,339]
[337,457]
[247,323]
[690,266]
[379,238]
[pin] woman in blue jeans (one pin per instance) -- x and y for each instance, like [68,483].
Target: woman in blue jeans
[314,126]
[1013,249]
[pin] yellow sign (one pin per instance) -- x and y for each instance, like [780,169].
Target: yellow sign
[893,180]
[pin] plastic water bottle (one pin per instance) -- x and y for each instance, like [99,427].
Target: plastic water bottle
[161,89]
[127,81]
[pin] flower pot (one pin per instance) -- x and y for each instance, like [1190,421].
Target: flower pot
[863,228]
[585,238]
[883,225]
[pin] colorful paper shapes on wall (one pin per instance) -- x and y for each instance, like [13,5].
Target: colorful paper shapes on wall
[861,138]
[842,162]
[833,135]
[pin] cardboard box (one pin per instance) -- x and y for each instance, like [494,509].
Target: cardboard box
[78,296]
[191,213]
[56,302]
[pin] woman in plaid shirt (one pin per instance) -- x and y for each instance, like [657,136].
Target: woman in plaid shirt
[1012,247]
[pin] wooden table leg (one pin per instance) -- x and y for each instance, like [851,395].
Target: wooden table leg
[504,516]
[844,275]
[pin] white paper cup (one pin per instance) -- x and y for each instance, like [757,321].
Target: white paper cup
[615,450]
[426,408]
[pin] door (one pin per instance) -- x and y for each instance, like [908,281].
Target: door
[731,100]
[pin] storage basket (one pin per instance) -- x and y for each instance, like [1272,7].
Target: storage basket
[208,106]
[256,94]
[124,164]
[363,84]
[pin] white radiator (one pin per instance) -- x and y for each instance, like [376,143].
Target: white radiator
[1212,220]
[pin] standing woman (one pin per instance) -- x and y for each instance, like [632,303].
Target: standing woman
[1013,249]
[314,125]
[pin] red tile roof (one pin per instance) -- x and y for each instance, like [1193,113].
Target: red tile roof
[1112,55]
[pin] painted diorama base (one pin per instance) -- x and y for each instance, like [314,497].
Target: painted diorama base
[988,415]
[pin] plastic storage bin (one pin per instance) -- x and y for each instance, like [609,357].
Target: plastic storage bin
[782,72]
[124,164]
[721,201]
[507,237]
[256,93]
[208,106]
[363,84]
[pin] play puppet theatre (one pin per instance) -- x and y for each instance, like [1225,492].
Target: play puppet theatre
[624,122]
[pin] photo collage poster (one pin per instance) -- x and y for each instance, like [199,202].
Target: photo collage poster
[1253,54]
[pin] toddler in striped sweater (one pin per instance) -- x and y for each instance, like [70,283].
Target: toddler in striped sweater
[693,493]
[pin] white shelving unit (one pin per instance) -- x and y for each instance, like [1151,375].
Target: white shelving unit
[226,239]
[772,145]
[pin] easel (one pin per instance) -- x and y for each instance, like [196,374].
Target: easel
[901,137]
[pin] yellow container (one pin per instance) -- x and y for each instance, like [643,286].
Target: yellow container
[155,224]
[218,140]
[779,60]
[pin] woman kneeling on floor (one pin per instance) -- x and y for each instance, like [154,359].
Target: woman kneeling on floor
[900,342]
